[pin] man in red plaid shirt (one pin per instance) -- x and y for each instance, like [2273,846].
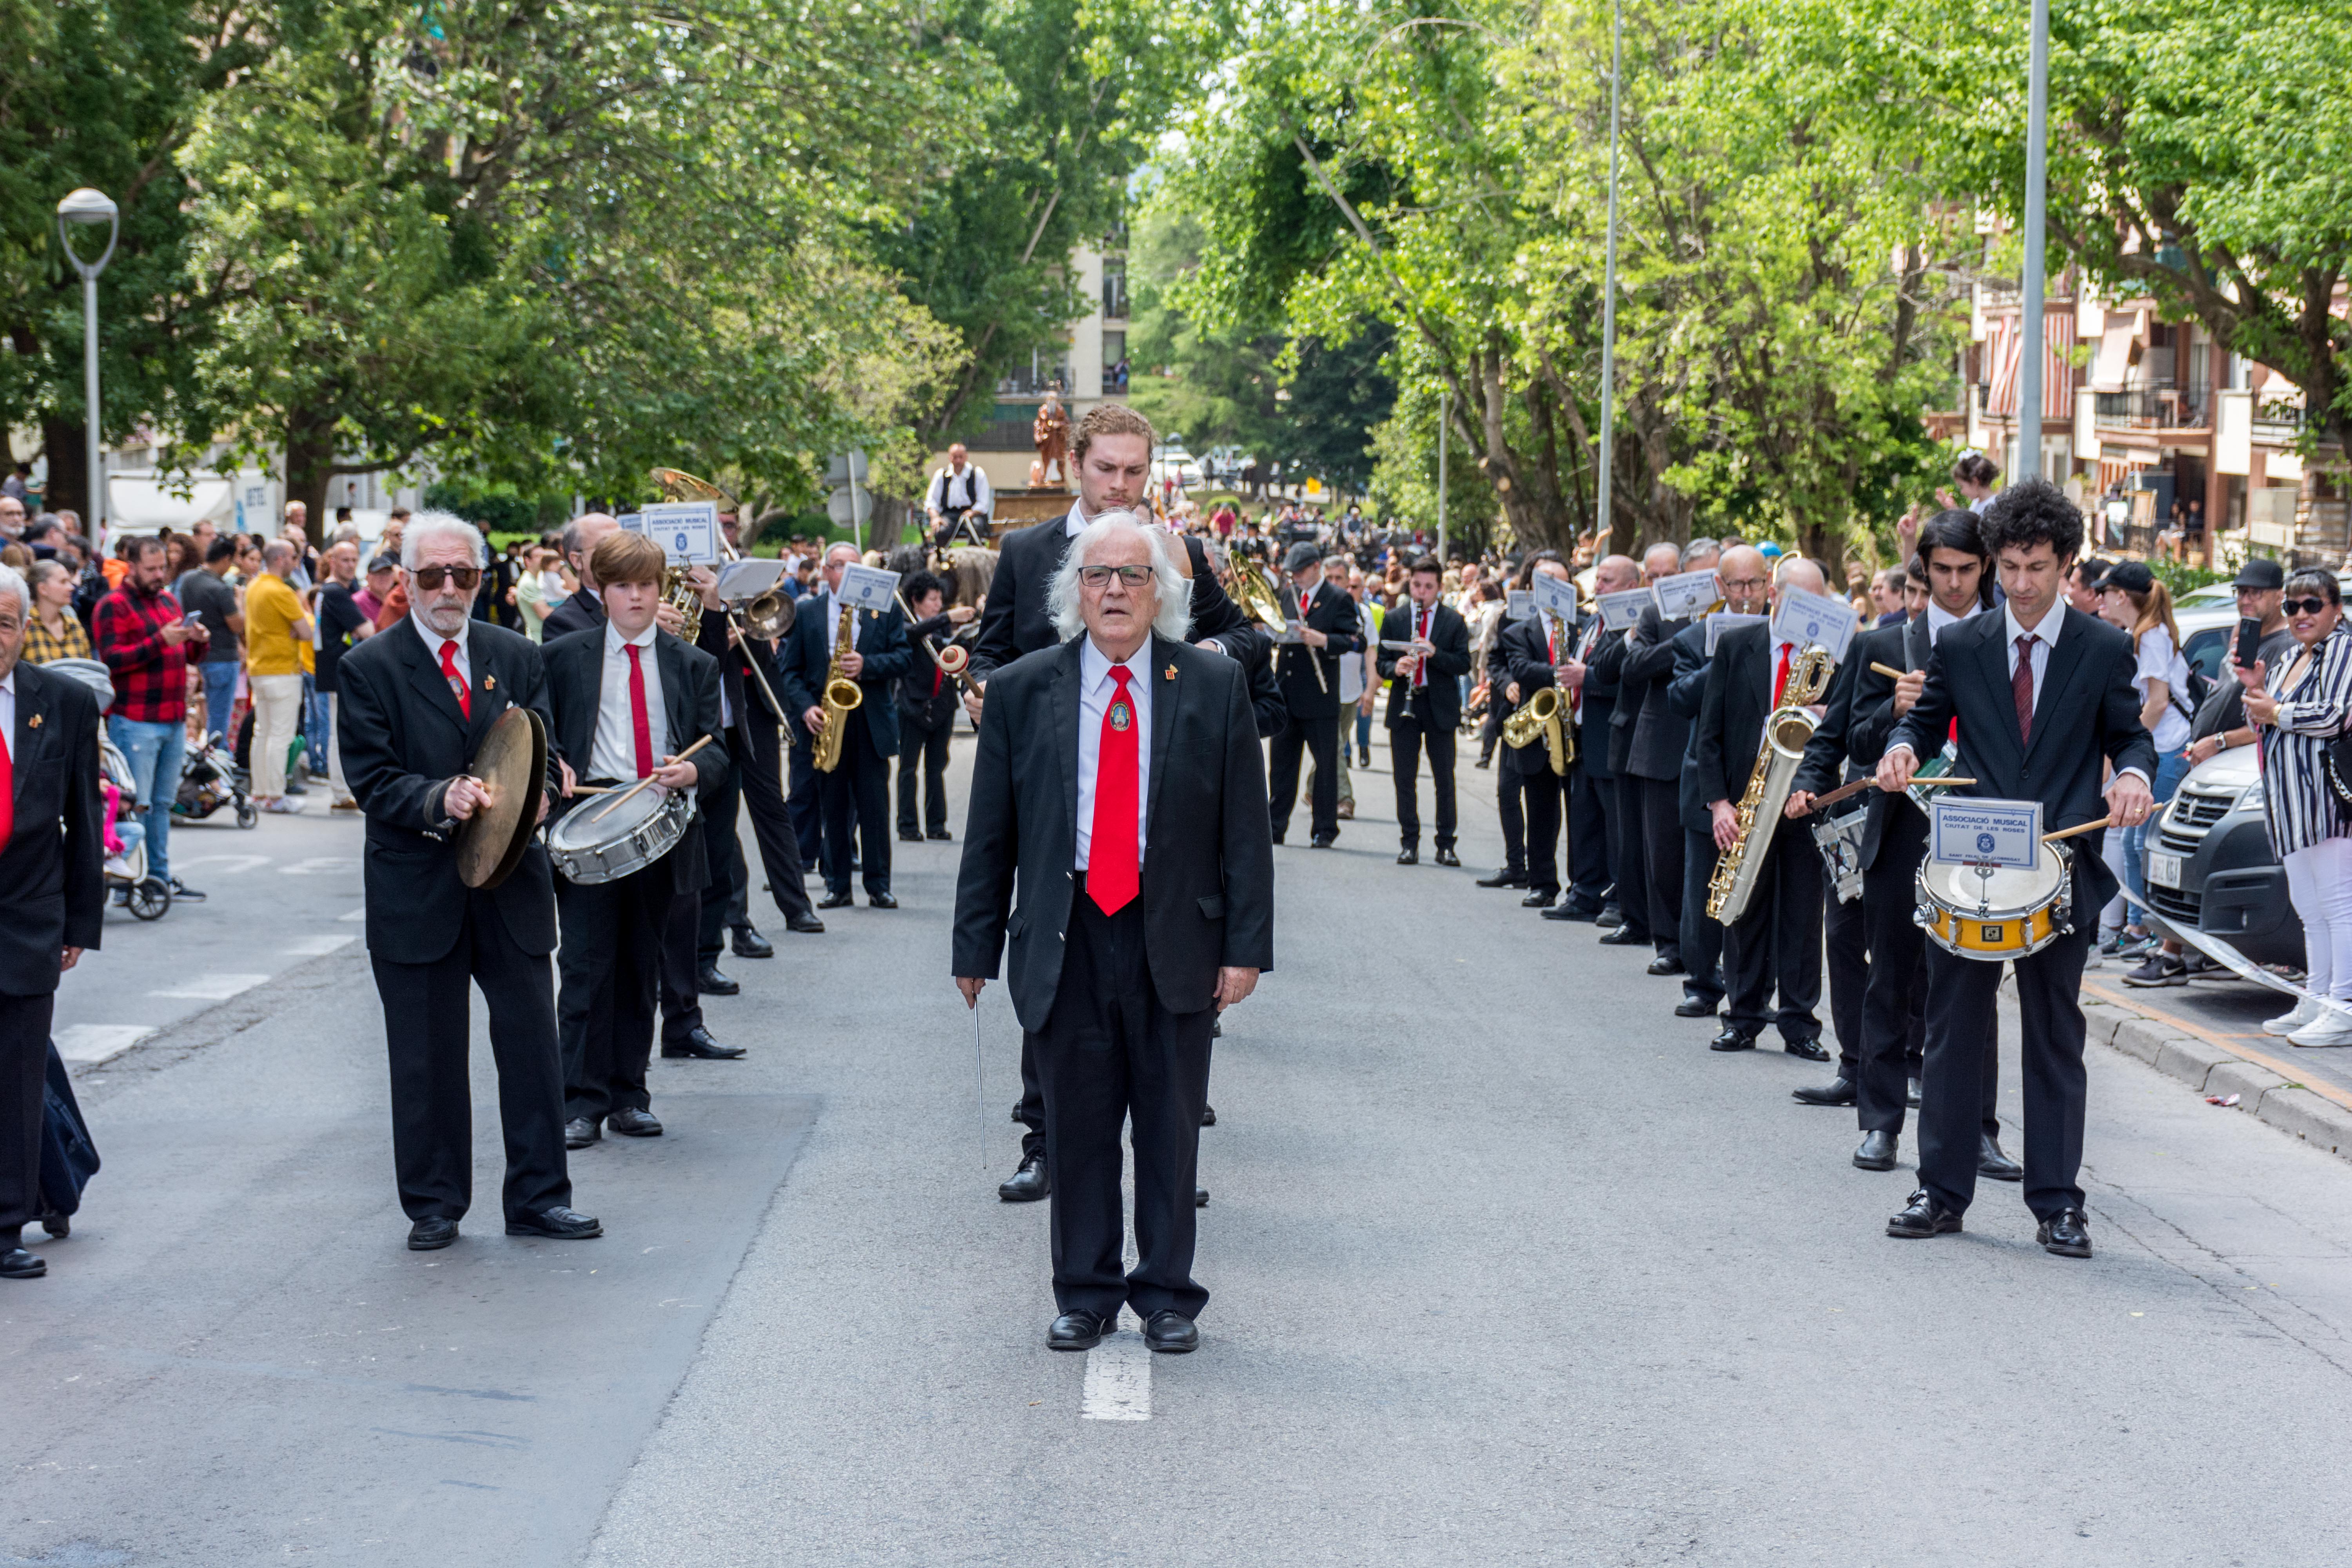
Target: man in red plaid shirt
[140,632]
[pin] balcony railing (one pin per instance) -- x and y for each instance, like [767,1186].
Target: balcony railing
[2164,408]
[1033,382]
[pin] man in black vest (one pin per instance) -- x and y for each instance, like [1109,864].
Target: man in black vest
[1425,706]
[52,895]
[958,501]
[1329,629]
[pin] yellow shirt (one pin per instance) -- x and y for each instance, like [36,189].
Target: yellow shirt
[271,644]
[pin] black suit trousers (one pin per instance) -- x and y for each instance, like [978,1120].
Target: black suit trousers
[1591,869]
[1112,1053]
[1777,944]
[1625,855]
[1320,738]
[1894,1001]
[1406,742]
[754,749]
[426,1029]
[926,749]
[610,966]
[1845,934]
[1960,1032]
[1662,862]
[1702,936]
[855,796]
[24,1072]
[804,805]
[1550,800]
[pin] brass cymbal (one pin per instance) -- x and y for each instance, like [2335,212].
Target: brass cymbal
[513,768]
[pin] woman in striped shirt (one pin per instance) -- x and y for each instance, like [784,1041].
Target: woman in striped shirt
[2300,708]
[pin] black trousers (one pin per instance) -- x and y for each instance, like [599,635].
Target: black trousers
[1591,869]
[1320,738]
[1960,1023]
[1109,1054]
[1702,937]
[681,968]
[1845,938]
[24,1070]
[610,972]
[1512,808]
[856,796]
[1549,799]
[753,748]
[1662,862]
[804,806]
[1777,944]
[426,1029]
[1625,855]
[1406,742]
[928,750]
[1894,1003]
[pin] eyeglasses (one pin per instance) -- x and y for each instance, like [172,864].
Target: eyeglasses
[431,577]
[1100,576]
[2302,606]
[1740,585]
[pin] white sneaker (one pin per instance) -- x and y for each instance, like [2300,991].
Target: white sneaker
[2288,1023]
[2332,1028]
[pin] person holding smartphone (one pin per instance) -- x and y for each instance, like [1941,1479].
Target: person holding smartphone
[2263,637]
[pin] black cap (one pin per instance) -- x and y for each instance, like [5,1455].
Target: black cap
[2131,576]
[2260,572]
[382,563]
[1302,555]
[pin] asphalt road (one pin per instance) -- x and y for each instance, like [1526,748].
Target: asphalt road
[1507,1268]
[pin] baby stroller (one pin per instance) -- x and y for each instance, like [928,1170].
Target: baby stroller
[209,780]
[146,897]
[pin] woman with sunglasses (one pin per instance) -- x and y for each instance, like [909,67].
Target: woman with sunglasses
[2298,709]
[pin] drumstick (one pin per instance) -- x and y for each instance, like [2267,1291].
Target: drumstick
[1888,671]
[615,803]
[2106,821]
[1823,802]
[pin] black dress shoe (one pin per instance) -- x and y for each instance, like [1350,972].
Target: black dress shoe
[1664,965]
[700,1044]
[559,1223]
[1505,877]
[1028,1183]
[1811,1049]
[807,925]
[709,982]
[1448,858]
[635,1123]
[1408,856]
[881,901]
[907,835]
[16,1263]
[1623,936]
[1322,841]
[56,1224]
[1200,1197]
[1692,1006]
[1911,1094]
[1733,1039]
[1877,1153]
[2065,1233]
[749,943]
[1922,1217]
[431,1234]
[1080,1330]
[1541,899]
[1170,1332]
[941,834]
[583,1130]
[1838,1092]
[1610,917]
[1208,1116]
[1992,1161]
[1567,912]
[840,901]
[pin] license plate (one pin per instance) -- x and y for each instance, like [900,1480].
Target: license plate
[2163,869]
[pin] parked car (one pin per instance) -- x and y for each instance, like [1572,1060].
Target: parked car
[1171,461]
[2209,865]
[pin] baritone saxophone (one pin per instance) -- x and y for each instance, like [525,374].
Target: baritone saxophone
[1786,731]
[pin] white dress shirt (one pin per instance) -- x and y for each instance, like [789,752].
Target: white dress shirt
[614,753]
[969,488]
[1095,688]
[832,624]
[1938,619]
[9,711]
[433,641]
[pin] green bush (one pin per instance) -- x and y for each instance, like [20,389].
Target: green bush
[2179,577]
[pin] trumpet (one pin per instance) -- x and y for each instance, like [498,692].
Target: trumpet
[843,697]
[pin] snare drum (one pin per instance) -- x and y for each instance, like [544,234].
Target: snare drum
[636,833]
[1996,912]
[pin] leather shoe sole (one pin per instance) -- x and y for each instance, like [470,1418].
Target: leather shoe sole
[431,1234]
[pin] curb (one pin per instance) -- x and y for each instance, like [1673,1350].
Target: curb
[2211,1069]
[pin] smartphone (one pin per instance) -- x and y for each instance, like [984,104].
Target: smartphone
[2249,640]
[193,616]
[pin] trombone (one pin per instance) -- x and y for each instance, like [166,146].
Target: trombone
[1256,592]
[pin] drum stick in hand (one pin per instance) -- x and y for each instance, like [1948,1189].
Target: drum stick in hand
[2106,821]
[1823,802]
[614,804]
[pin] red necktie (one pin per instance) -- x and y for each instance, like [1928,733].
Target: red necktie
[1780,682]
[2020,688]
[639,726]
[1420,634]
[7,792]
[1111,874]
[457,681]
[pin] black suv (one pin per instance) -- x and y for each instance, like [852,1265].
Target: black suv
[2209,867]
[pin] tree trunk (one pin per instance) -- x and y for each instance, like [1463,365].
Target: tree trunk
[68,489]
[310,464]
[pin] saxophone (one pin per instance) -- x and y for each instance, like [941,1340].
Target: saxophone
[1544,713]
[1786,731]
[841,698]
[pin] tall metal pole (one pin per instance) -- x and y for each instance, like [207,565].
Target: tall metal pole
[1609,294]
[2029,353]
[89,207]
[1444,426]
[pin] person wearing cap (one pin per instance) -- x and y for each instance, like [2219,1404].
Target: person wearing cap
[2132,600]
[2220,723]
[1329,631]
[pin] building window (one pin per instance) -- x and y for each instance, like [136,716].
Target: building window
[1114,361]
[1114,292]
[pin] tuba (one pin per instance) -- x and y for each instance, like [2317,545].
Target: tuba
[1786,731]
[843,697]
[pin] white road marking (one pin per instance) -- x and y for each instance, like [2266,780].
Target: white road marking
[86,1045]
[319,946]
[213,987]
[317,866]
[1118,1370]
[229,864]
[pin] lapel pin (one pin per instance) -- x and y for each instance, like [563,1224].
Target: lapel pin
[489,683]
[34,723]
[1169,674]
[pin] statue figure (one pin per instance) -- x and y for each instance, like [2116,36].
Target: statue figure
[1052,435]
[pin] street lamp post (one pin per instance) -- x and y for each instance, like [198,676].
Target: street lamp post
[1605,526]
[88,206]
[1445,423]
[2032,355]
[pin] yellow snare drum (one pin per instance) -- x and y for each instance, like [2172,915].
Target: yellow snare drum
[1996,912]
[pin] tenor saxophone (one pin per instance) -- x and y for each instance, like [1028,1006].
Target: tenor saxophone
[843,697]
[1544,713]
[1786,731]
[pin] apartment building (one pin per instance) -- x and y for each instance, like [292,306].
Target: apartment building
[1089,366]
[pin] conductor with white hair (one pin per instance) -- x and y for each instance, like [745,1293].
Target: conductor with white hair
[417,700]
[1118,851]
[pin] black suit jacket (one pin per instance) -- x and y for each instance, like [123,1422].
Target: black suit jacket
[403,738]
[52,892]
[2088,715]
[804,655]
[1687,698]
[1523,655]
[1331,611]
[689,693]
[1731,716]
[582,610]
[1208,857]
[1014,620]
[1852,736]
[1657,736]
[1602,674]
[1449,634]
